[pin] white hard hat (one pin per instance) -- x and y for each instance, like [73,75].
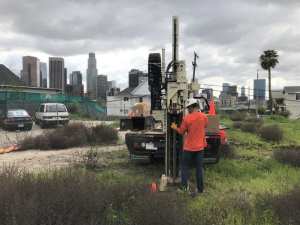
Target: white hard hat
[191,101]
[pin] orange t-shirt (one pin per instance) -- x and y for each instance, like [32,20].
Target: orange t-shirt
[194,126]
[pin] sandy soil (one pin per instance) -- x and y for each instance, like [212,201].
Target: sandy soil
[36,159]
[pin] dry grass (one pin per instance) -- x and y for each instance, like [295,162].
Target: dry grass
[73,135]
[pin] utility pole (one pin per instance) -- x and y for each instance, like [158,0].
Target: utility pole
[249,99]
[194,63]
[256,95]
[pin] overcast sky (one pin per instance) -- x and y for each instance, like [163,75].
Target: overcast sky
[228,35]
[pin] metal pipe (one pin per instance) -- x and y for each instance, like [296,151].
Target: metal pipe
[175,57]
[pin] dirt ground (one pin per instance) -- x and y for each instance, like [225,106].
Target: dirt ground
[36,159]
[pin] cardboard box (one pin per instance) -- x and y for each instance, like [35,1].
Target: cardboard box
[213,124]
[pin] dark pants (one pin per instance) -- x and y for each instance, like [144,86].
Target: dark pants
[190,158]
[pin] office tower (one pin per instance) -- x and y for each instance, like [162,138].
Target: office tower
[102,87]
[76,85]
[65,77]
[226,87]
[56,73]
[31,71]
[91,75]
[43,75]
[260,89]
[243,91]
[136,77]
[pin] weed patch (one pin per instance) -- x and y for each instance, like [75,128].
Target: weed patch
[271,133]
[73,135]
[288,155]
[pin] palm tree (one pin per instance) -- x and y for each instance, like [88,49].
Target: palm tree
[268,60]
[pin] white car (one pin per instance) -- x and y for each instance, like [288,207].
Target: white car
[52,114]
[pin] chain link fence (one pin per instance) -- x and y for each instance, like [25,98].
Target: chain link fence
[31,101]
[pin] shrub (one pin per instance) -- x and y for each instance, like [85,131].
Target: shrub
[253,119]
[237,116]
[72,135]
[285,114]
[104,134]
[288,155]
[249,127]
[237,124]
[261,110]
[73,108]
[78,197]
[157,209]
[90,159]
[271,133]
[227,151]
[287,207]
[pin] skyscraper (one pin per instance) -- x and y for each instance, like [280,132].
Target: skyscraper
[91,75]
[31,71]
[65,77]
[102,87]
[226,87]
[76,78]
[56,73]
[243,91]
[136,77]
[76,83]
[43,75]
[260,89]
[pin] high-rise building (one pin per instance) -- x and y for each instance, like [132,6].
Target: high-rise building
[43,75]
[102,87]
[31,71]
[243,91]
[91,76]
[232,90]
[56,73]
[136,77]
[260,90]
[65,77]
[111,84]
[243,98]
[76,86]
[225,87]
[76,78]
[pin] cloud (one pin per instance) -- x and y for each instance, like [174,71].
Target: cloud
[229,35]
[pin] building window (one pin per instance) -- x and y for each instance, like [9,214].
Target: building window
[297,96]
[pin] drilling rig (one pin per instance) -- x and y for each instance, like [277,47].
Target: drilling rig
[170,89]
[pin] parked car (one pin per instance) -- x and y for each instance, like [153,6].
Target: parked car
[16,119]
[51,114]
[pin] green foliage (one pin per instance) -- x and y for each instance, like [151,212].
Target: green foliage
[271,133]
[261,110]
[285,114]
[237,116]
[269,59]
[237,124]
[249,127]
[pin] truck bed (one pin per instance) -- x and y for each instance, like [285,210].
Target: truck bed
[151,145]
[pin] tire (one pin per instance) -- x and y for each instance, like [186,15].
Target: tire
[28,128]
[42,125]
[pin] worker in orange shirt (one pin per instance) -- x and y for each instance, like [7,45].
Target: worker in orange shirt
[193,127]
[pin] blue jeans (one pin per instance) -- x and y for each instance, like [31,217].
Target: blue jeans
[188,158]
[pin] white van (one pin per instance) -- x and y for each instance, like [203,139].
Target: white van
[52,114]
